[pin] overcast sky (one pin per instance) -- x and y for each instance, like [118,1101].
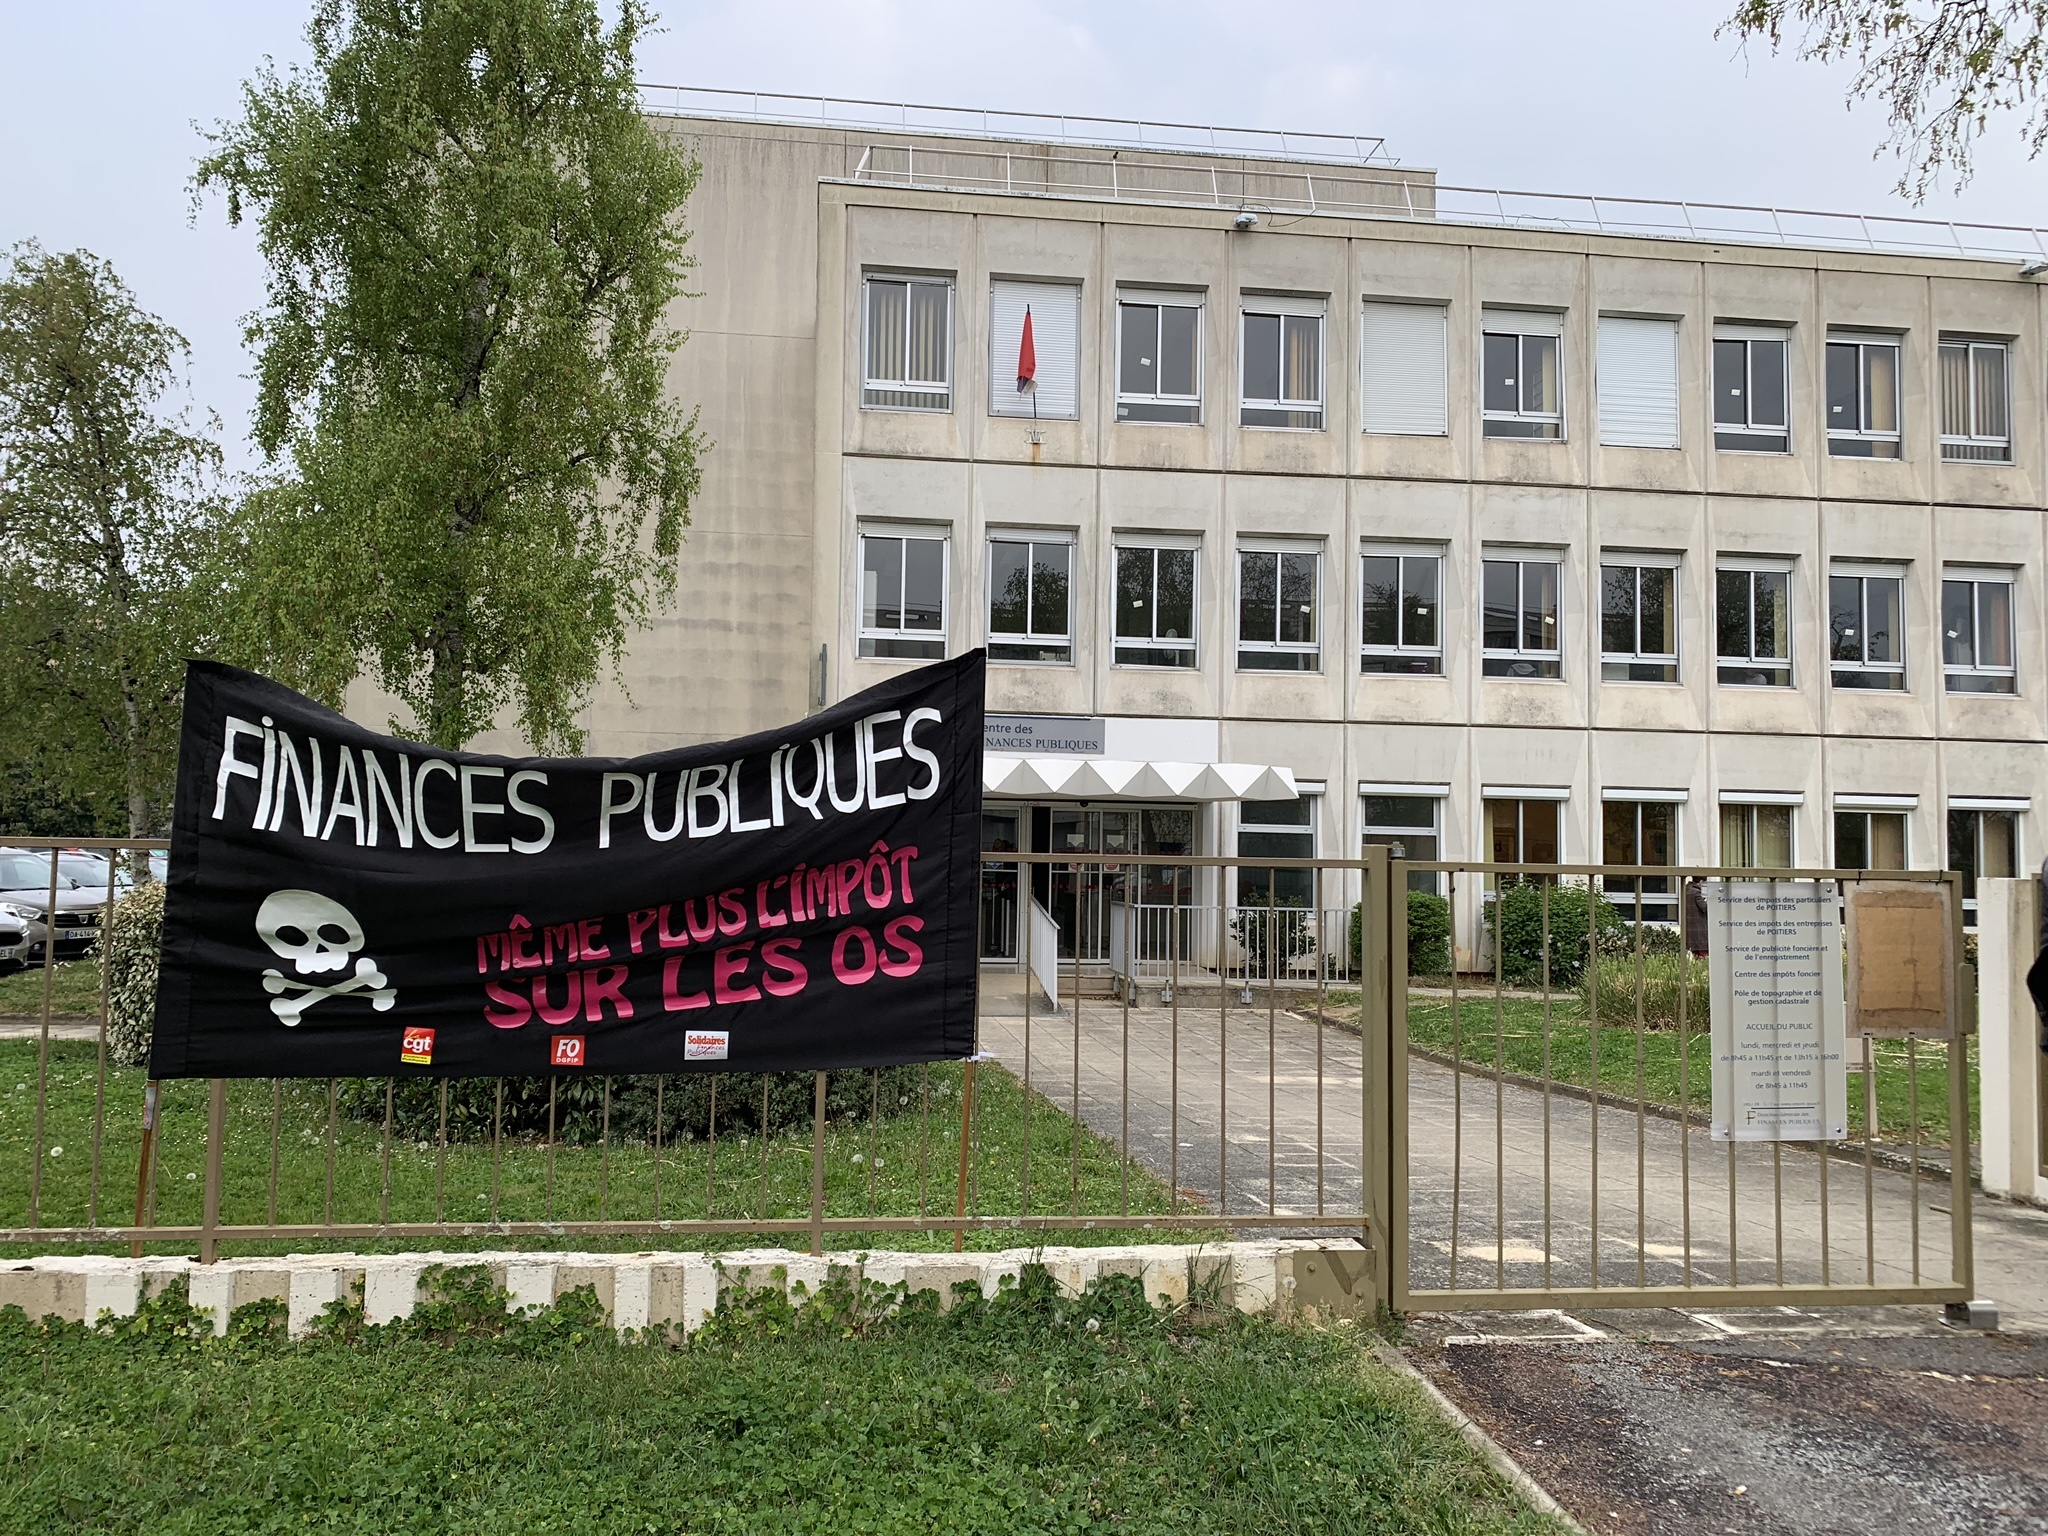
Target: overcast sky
[98,102]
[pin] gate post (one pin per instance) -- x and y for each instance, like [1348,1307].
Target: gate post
[2014,1069]
[1382,1023]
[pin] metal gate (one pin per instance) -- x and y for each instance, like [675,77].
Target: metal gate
[1550,1139]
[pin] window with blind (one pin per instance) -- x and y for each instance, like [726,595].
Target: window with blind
[907,344]
[1976,419]
[1756,836]
[1751,389]
[1637,382]
[1641,832]
[1281,367]
[1052,392]
[1983,844]
[1521,368]
[1870,839]
[1403,352]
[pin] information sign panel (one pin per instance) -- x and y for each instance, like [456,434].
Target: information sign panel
[1774,956]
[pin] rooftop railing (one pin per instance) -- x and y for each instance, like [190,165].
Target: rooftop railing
[1034,127]
[1392,194]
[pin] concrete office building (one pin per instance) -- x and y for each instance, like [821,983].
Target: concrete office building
[1528,539]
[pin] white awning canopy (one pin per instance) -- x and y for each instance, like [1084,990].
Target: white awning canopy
[1104,778]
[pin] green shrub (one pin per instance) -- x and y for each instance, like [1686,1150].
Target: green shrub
[1515,917]
[1429,935]
[684,1104]
[138,929]
[1612,985]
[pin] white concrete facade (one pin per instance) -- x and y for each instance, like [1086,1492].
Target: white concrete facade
[767,626]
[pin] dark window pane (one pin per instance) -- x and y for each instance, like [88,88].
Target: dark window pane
[1539,831]
[881,583]
[1843,389]
[924,584]
[1731,387]
[1618,609]
[1500,604]
[1178,327]
[1731,613]
[1257,579]
[1539,605]
[1262,357]
[1277,813]
[1773,631]
[1962,848]
[1767,384]
[1845,618]
[1049,588]
[1659,838]
[1419,600]
[1958,624]
[1138,362]
[1009,581]
[1134,593]
[1852,840]
[1382,607]
[1176,620]
[1298,599]
[1618,834]
[1657,624]
[1404,811]
[1501,362]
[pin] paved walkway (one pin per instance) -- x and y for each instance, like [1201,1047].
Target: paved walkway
[1494,1200]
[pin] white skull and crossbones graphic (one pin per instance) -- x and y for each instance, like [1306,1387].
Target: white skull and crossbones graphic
[317,934]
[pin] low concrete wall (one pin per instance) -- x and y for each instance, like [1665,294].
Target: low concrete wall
[2010,1069]
[676,1292]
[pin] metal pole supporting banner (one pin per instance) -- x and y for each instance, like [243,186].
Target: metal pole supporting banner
[817,1164]
[216,1134]
[151,1093]
[966,1140]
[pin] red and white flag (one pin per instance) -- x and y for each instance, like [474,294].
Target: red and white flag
[1027,359]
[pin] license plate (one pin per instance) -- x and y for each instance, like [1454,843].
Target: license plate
[75,933]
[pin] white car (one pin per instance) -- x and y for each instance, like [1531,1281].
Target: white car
[25,900]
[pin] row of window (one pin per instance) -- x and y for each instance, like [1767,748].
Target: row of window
[1030,612]
[1034,368]
[1982,843]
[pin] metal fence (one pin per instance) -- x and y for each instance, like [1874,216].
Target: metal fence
[1551,1132]
[1082,1111]
[1525,1127]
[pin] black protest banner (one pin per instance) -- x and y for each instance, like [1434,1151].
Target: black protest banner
[345,904]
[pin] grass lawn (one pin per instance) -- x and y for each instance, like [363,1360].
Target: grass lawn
[889,1168]
[1521,1045]
[75,989]
[1029,1414]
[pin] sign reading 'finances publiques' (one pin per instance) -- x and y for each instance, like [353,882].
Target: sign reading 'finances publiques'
[1774,956]
[345,904]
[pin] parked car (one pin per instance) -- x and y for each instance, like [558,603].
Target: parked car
[25,901]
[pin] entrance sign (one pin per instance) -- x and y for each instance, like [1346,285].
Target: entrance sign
[1774,957]
[1044,733]
[345,904]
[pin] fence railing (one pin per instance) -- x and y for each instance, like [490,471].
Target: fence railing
[1389,193]
[1551,1138]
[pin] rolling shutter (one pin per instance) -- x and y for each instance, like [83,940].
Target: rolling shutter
[1055,337]
[1403,347]
[1637,382]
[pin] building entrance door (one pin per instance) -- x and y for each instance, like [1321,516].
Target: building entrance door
[998,887]
[1078,897]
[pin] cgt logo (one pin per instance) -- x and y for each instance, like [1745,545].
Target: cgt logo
[567,1052]
[705,1044]
[416,1048]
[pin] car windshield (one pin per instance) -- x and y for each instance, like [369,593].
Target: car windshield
[26,869]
